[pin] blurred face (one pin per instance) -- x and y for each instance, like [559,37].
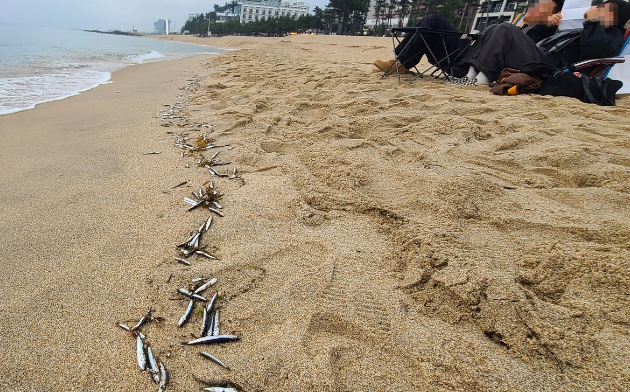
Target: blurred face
[607,14]
[540,11]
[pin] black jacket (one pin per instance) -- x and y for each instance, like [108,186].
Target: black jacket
[595,42]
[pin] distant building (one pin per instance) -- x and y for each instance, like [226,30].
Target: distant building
[252,10]
[493,12]
[164,26]
[134,30]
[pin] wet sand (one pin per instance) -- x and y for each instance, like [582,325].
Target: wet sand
[382,236]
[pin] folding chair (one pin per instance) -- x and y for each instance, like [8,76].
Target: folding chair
[444,65]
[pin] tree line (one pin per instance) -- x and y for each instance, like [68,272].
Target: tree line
[339,17]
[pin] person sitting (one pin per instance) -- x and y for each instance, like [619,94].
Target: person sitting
[502,46]
[541,23]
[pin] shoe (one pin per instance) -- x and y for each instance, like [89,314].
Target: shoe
[462,82]
[385,66]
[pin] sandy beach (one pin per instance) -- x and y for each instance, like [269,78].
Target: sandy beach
[380,236]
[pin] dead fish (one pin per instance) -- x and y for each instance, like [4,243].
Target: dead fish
[216,211]
[208,223]
[215,324]
[185,243]
[215,294]
[140,354]
[219,206]
[183,261]
[215,155]
[195,280]
[191,295]
[123,326]
[205,323]
[204,254]
[219,383]
[163,378]
[186,315]
[180,184]
[153,368]
[220,389]
[197,204]
[151,153]
[213,359]
[202,228]
[214,339]
[211,185]
[190,201]
[205,285]
[233,176]
[142,320]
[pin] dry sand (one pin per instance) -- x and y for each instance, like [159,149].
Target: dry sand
[383,236]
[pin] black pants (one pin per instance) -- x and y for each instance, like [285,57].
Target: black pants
[413,47]
[502,46]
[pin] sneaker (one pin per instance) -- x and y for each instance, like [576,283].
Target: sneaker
[462,82]
[385,66]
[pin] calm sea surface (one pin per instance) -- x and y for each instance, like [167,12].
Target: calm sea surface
[41,64]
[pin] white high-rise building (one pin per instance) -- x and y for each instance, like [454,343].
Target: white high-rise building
[164,26]
[252,10]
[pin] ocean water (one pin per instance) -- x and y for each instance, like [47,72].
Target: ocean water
[41,64]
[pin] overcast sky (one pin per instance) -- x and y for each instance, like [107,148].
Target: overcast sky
[109,14]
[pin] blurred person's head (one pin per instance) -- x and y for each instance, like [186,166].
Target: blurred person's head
[613,13]
[540,10]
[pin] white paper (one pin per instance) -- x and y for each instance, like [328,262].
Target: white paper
[573,14]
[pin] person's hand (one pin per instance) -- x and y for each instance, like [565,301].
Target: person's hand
[554,20]
[591,13]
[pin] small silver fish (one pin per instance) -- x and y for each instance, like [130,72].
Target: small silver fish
[186,315]
[216,211]
[219,206]
[215,324]
[190,201]
[151,153]
[191,295]
[186,242]
[204,254]
[202,228]
[141,356]
[213,359]
[214,339]
[211,302]
[233,176]
[195,280]
[180,184]
[153,367]
[220,389]
[183,261]
[142,320]
[205,324]
[192,207]
[215,155]
[123,326]
[164,379]
[208,223]
[205,285]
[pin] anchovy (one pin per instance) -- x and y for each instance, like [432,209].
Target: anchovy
[186,242]
[215,324]
[186,315]
[183,261]
[200,192]
[219,206]
[205,285]
[190,201]
[215,155]
[142,320]
[163,378]
[205,324]
[151,153]
[187,252]
[180,184]
[220,389]
[213,359]
[211,185]
[196,195]
[214,339]
[153,368]
[202,228]
[197,204]
[233,176]
[197,280]
[195,242]
[191,295]
[140,354]
[123,326]
[202,253]
[215,294]
[216,211]
[208,223]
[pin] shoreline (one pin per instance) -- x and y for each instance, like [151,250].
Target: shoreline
[381,236]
